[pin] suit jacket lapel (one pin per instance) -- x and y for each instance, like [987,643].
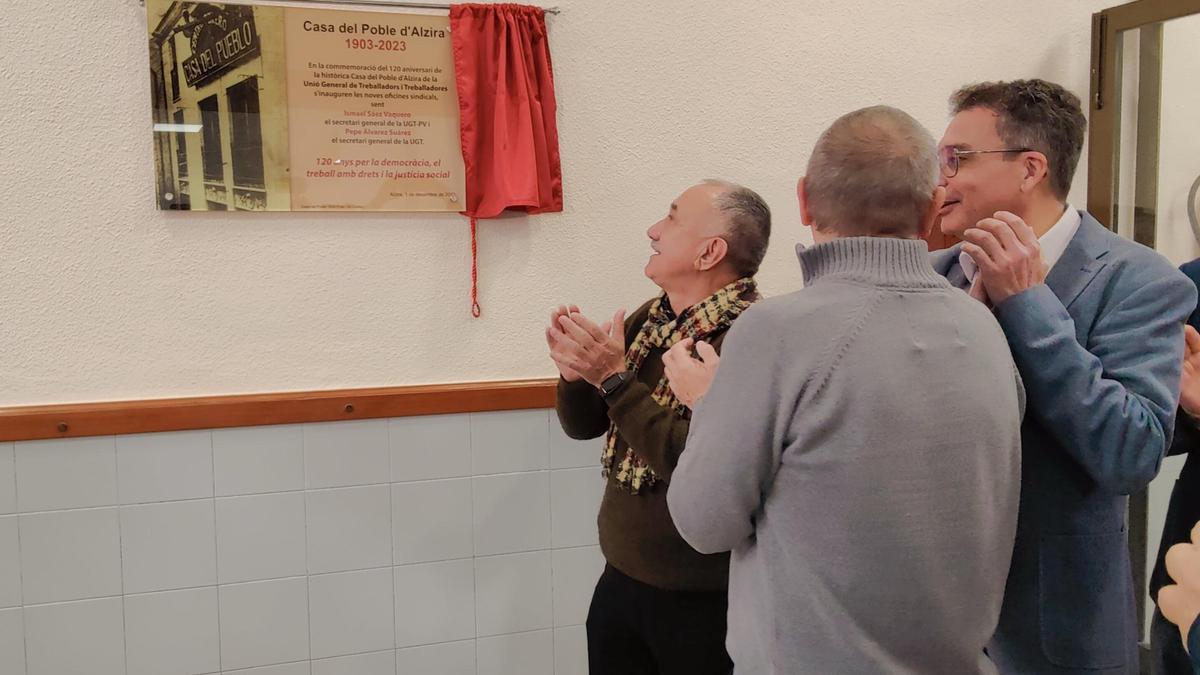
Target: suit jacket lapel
[1080,262]
[956,276]
[945,263]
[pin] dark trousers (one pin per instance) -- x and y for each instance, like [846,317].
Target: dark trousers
[1167,656]
[636,629]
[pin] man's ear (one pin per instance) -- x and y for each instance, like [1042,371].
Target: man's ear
[713,254]
[802,197]
[1036,170]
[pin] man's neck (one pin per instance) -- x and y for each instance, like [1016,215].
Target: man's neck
[699,289]
[1043,215]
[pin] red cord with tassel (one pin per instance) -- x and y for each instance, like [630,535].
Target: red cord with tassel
[474,270]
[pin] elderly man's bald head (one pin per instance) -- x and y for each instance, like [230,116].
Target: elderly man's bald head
[872,173]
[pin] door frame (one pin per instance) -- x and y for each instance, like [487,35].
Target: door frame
[1104,100]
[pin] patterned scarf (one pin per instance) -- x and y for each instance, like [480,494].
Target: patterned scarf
[662,330]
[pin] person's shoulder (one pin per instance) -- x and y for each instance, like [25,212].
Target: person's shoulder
[1133,270]
[1192,270]
[1138,257]
[943,259]
[772,325]
[805,311]
[781,307]
[1132,263]
[1136,266]
[1126,252]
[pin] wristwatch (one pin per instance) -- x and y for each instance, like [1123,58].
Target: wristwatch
[614,382]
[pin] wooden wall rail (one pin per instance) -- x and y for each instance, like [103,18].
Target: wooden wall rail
[214,412]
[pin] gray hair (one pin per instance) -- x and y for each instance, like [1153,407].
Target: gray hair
[749,229]
[872,173]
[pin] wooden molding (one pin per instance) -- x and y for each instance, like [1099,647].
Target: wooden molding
[216,412]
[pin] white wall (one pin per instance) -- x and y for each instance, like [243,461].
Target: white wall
[105,298]
[415,546]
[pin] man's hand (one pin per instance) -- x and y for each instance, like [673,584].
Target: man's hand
[589,351]
[1189,386]
[690,378]
[1180,603]
[1008,255]
[553,335]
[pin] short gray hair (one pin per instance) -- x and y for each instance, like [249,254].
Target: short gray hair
[872,173]
[749,229]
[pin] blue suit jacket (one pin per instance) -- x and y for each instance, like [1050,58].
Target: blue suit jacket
[1194,645]
[1099,347]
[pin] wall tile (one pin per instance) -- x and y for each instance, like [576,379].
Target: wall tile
[264,623]
[520,654]
[351,613]
[66,473]
[512,513]
[253,460]
[164,467]
[435,602]
[75,638]
[12,642]
[167,546]
[8,479]
[576,571]
[172,633]
[260,537]
[377,663]
[447,658]
[570,651]
[339,454]
[510,441]
[10,563]
[513,593]
[432,520]
[349,528]
[70,555]
[301,668]
[430,447]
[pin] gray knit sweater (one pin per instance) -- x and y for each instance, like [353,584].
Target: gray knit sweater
[859,452]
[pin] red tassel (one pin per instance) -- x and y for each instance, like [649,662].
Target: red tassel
[474,271]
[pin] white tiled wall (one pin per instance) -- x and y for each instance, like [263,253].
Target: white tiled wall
[444,545]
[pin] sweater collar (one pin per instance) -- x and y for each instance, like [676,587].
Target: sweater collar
[881,261]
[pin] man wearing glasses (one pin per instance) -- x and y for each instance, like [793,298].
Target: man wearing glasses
[1095,325]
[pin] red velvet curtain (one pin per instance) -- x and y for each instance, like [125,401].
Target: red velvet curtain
[507,114]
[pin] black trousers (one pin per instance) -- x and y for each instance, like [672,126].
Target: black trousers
[1167,656]
[637,629]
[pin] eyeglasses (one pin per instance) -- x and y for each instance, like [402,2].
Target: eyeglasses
[949,158]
